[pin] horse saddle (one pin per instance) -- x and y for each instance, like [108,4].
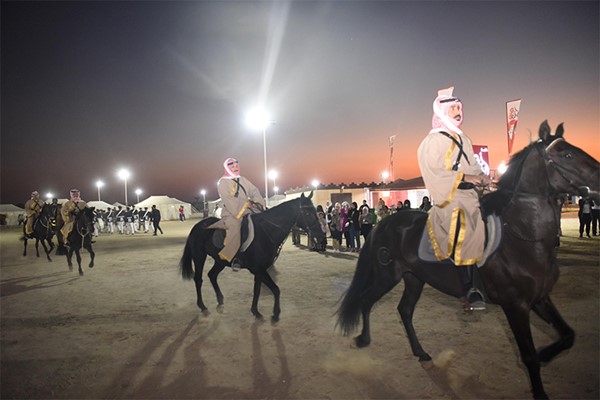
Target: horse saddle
[247,233]
[493,236]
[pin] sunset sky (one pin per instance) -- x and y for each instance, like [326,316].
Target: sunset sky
[162,88]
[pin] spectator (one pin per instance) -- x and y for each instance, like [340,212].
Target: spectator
[354,227]
[425,204]
[181,213]
[366,223]
[585,216]
[336,228]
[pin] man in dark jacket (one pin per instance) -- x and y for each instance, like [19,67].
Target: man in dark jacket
[156,220]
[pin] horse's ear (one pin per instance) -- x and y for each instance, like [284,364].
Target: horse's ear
[560,130]
[544,130]
[310,195]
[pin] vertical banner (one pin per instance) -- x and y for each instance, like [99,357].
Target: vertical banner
[391,171]
[512,117]
[482,156]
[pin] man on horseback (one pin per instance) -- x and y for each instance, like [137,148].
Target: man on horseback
[451,175]
[240,197]
[73,206]
[33,208]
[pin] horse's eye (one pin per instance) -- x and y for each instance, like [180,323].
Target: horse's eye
[568,155]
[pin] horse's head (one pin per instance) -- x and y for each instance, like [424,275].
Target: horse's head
[84,221]
[569,168]
[49,211]
[308,219]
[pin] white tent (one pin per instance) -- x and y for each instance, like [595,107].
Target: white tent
[100,205]
[11,213]
[117,204]
[168,206]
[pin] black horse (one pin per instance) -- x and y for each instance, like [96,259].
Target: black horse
[43,231]
[519,276]
[271,228]
[81,236]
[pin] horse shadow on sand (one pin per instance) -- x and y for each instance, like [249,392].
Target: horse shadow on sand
[14,286]
[193,379]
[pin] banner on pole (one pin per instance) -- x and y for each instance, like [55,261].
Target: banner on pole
[482,157]
[512,117]
[391,171]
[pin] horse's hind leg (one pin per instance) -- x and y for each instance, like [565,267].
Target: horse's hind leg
[69,256]
[37,247]
[213,275]
[25,247]
[199,260]
[372,296]
[413,287]
[518,318]
[546,310]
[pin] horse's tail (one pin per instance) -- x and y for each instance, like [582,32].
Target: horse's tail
[350,310]
[185,264]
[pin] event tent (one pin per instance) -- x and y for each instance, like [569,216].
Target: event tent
[100,205]
[168,206]
[11,213]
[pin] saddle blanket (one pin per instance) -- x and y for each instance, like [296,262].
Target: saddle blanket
[494,236]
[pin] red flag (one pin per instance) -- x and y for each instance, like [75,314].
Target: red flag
[512,117]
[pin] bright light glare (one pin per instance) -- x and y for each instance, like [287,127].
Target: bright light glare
[315,183]
[49,195]
[273,174]
[257,119]
[385,175]
[276,189]
[138,191]
[502,167]
[203,192]
[99,184]
[123,174]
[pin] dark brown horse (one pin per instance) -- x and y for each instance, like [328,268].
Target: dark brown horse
[519,276]
[43,231]
[271,228]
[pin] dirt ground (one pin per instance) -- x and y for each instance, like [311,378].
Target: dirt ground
[129,328]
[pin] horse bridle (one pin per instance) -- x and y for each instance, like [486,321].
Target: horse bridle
[556,167]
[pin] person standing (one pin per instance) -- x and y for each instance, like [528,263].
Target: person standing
[595,219]
[240,197]
[354,227]
[68,211]
[451,174]
[156,220]
[33,208]
[585,216]
[336,228]
[120,217]
[366,223]
[181,213]
[425,204]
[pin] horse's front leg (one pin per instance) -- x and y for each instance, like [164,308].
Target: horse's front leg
[25,246]
[69,256]
[37,247]
[254,308]
[88,247]
[518,318]
[46,250]
[266,278]
[546,310]
[213,275]
[78,257]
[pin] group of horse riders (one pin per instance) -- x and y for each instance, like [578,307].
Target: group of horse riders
[34,207]
[127,220]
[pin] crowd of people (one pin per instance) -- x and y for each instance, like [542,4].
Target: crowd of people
[348,224]
[127,220]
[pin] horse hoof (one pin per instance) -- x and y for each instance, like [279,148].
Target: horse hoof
[360,342]
[274,319]
[205,312]
[91,265]
[425,358]
[80,273]
[259,317]
[220,308]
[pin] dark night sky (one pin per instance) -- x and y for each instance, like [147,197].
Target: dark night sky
[162,88]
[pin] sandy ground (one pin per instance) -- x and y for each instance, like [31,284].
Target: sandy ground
[129,328]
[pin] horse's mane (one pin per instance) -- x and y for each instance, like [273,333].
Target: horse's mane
[495,202]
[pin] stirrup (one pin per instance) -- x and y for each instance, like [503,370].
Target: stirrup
[235,265]
[475,300]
